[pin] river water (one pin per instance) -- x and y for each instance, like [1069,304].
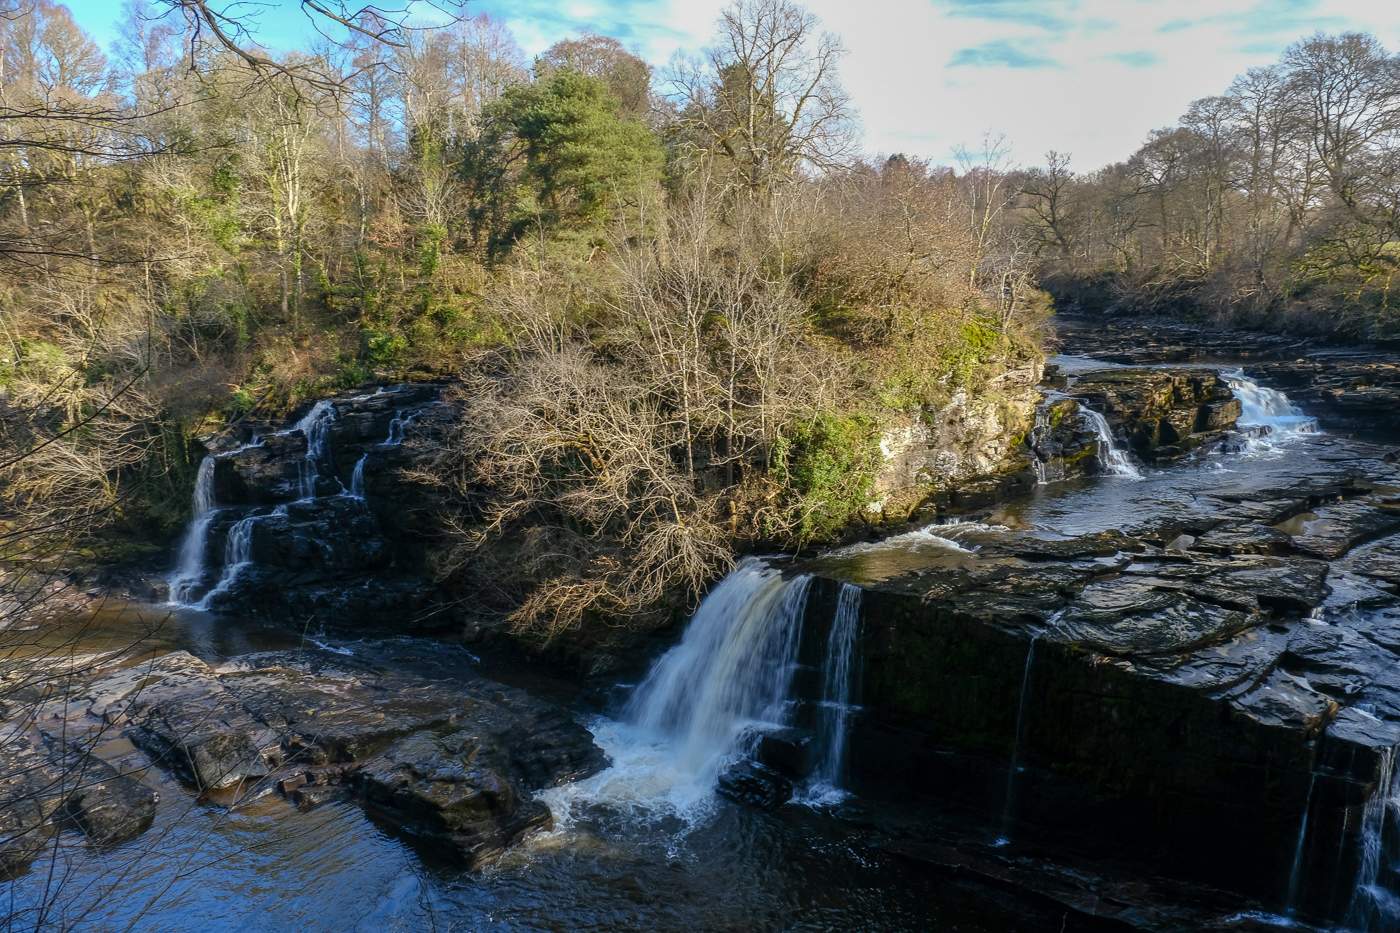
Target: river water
[646,844]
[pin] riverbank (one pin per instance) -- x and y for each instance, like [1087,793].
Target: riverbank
[1177,621]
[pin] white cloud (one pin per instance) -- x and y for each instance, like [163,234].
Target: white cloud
[1124,67]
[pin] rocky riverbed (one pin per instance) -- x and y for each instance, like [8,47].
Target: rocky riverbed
[1138,674]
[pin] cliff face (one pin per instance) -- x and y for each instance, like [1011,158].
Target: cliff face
[975,436]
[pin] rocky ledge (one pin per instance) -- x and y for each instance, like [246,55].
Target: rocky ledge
[450,759]
[1357,387]
[1214,696]
[297,519]
[1163,413]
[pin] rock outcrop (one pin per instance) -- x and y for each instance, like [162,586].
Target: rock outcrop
[1163,413]
[1185,694]
[441,755]
[972,439]
[321,519]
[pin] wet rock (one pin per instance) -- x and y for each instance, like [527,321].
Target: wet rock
[755,785]
[1062,442]
[1337,528]
[451,789]
[449,757]
[1163,413]
[31,792]
[788,751]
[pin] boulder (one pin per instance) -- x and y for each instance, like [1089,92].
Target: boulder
[755,785]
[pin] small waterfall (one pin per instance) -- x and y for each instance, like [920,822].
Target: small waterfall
[1039,431]
[397,425]
[1268,411]
[1113,460]
[1295,875]
[1364,901]
[315,425]
[357,479]
[1008,814]
[833,718]
[238,554]
[731,670]
[189,569]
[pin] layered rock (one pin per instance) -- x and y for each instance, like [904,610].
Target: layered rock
[1186,695]
[973,439]
[323,518]
[441,755]
[1163,413]
[1356,387]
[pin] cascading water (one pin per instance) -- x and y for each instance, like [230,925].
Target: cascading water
[238,556]
[1039,431]
[1269,412]
[1008,814]
[357,479]
[1113,460]
[730,671]
[1368,900]
[1295,874]
[834,713]
[189,570]
[707,701]
[188,578]
[315,425]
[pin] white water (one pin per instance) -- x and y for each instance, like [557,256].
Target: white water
[1113,460]
[834,714]
[357,479]
[1270,414]
[238,555]
[315,425]
[1368,899]
[730,672]
[189,569]
[1295,875]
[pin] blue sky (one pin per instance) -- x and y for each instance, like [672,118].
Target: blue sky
[1091,77]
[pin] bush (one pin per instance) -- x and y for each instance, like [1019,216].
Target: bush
[829,464]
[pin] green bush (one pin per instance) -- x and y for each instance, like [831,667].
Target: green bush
[828,463]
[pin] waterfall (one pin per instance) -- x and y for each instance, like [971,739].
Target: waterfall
[315,425]
[1039,430]
[357,479]
[1111,458]
[400,421]
[238,554]
[189,569]
[1364,903]
[730,671]
[1268,411]
[707,701]
[833,717]
[1295,875]
[1009,805]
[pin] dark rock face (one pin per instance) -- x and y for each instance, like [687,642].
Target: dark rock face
[1062,444]
[305,516]
[755,785]
[446,757]
[1171,694]
[1162,413]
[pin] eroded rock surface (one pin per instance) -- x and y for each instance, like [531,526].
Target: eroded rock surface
[441,755]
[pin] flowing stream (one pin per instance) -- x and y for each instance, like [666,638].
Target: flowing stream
[648,842]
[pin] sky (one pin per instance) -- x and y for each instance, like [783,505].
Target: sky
[1087,77]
